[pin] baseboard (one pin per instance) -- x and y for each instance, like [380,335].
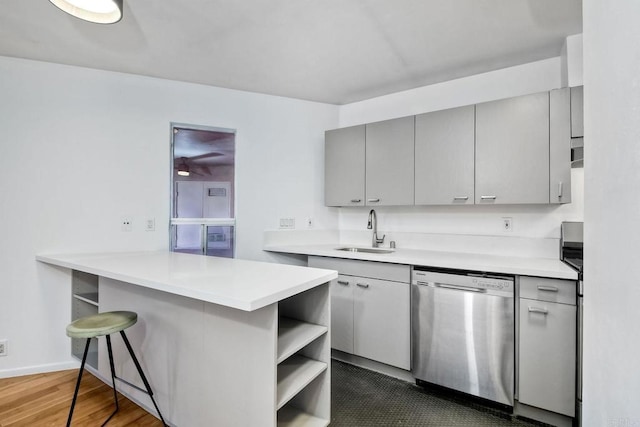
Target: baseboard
[39,369]
[372,365]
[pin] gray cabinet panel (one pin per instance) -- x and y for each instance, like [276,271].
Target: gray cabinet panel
[547,356]
[382,321]
[512,150]
[559,147]
[344,166]
[341,290]
[390,164]
[444,153]
[577,112]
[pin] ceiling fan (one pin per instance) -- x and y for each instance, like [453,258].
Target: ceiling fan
[186,165]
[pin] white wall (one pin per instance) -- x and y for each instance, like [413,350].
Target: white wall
[528,221]
[81,148]
[612,213]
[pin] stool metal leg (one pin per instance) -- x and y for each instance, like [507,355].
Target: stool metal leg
[113,379]
[144,379]
[75,393]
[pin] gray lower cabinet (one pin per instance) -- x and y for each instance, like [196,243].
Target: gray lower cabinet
[444,153]
[370,311]
[547,345]
[512,150]
[341,291]
[344,162]
[390,162]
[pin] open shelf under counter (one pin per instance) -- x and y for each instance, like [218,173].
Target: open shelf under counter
[295,334]
[294,374]
[293,417]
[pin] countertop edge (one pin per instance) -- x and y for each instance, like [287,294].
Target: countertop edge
[489,263]
[201,296]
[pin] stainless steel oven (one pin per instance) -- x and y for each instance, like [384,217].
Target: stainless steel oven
[463,332]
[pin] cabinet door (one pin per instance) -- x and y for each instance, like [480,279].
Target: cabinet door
[389,164]
[547,356]
[444,155]
[512,150]
[341,291]
[559,147]
[344,163]
[577,112]
[381,321]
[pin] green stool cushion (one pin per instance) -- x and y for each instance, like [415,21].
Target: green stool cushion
[101,324]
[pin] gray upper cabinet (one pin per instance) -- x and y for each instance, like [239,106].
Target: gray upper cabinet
[444,157]
[512,150]
[559,147]
[577,112]
[344,166]
[390,162]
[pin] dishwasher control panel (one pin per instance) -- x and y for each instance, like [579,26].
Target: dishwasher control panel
[470,282]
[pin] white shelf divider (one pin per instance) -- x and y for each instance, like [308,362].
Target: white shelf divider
[89,297]
[294,417]
[294,374]
[294,334]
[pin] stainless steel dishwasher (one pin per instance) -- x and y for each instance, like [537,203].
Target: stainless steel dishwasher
[463,332]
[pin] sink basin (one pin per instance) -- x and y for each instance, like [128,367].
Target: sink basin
[366,250]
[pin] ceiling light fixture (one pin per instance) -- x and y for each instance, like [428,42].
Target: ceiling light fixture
[98,11]
[183,167]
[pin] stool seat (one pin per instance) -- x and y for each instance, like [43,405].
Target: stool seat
[101,324]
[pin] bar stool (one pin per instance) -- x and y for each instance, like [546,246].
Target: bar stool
[106,324]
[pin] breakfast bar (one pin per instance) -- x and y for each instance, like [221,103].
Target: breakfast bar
[224,341]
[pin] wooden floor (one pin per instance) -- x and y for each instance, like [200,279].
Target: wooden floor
[44,399]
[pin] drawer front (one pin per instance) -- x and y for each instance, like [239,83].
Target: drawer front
[550,290]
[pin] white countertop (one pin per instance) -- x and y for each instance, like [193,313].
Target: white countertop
[525,266]
[245,285]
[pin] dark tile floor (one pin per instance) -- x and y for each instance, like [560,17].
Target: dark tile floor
[360,397]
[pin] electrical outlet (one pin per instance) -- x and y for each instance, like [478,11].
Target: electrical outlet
[150,224]
[126,224]
[507,224]
[3,348]
[309,222]
[287,223]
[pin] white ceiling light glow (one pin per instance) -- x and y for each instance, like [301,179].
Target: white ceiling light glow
[98,11]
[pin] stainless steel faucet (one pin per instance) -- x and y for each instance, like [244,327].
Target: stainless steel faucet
[373,225]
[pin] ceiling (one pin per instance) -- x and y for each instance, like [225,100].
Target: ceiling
[203,148]
[334,51]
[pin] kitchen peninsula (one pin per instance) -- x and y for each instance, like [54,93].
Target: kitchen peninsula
[224,341]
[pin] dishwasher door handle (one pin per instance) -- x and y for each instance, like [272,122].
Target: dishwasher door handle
[460,288]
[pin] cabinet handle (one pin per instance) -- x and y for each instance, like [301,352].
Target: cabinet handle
[461,198]
[538,310]
[343,282]
[356,200]
[560,190]
[487,197]
[548,288]
[363,285]
[373,200]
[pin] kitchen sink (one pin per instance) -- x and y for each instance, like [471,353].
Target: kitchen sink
[366,250]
